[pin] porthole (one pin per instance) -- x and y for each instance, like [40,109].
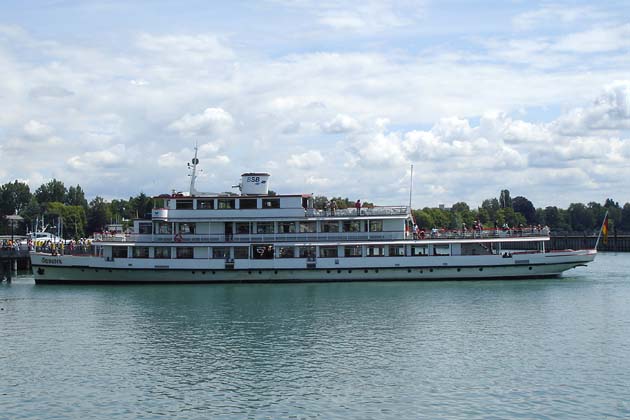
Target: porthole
[194,272]
[213,272]
[376,271]
[203,272]
[430,270]
[480,268]
[530,268]
[275,271]
[259,272]
[249,271]
[328,271]
[421,271]
[459,269]
[349,271]
[365,271]
[338,271]
[409,270]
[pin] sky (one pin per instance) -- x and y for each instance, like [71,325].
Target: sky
[331,98]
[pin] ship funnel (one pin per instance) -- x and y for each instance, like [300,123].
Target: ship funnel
[255,183]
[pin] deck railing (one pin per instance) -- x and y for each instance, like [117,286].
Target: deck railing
[436,234]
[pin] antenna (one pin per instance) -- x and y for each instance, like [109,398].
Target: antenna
[193,174]
[410,186]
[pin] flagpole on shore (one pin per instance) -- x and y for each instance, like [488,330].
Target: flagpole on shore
[604,222]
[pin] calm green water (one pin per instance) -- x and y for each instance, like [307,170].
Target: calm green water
[538,349]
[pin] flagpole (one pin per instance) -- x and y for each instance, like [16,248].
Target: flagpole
[601,228]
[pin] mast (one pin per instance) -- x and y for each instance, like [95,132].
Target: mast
[193,175]
[604,222]
[410,186]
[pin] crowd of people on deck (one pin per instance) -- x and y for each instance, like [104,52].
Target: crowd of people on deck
[477,231]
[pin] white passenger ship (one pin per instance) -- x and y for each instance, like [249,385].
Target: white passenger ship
[255,236]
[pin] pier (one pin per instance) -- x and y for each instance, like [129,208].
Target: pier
[615,243]
[11,261]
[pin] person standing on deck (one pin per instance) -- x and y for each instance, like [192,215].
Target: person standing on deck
[357,205]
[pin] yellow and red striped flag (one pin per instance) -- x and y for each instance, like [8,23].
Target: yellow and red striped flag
[605,230]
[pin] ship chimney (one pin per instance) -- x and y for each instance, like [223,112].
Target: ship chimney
[255,183]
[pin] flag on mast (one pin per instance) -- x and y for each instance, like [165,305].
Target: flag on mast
[605,230]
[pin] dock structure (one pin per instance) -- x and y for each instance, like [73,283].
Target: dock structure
[615,243]
[11,260]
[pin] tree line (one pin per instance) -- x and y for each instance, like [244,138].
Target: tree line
[53,203]
[53,200]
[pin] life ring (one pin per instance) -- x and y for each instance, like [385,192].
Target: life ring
[178,237]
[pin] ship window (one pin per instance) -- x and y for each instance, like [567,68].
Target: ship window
[376,225]
[241,252]
[163,228]
[306,251]
[419,250]
[351,226]
[396,251]
[328,252]
[262,252]
[376,251]
[144,228]
[184,252]
[162,252]
[205,204]
[308,227]
[242,228]
[227,203]
[330,227]
[183,204]
[352,251]
[264,227]
[119,251]
[441,250]
[187,228]
[219,253]
[248,203]
[286,227]
[270,203]
[286,252]
[141,252]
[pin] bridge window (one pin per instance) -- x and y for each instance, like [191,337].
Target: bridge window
[396,251]
[248,203]
[163,228]
[376,251]
[420,250]
[205,204]
[306,251]
[330,227]
[441,250]
[227,203]
[270,203]
[183,204]
[144,228]
[187,228]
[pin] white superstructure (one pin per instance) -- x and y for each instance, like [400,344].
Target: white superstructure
[257,237]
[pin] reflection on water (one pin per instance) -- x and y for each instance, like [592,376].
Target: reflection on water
[547,348]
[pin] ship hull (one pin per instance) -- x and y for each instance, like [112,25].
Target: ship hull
[67,269]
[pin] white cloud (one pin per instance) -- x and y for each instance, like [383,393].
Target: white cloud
[211,121]
[340,124]
[306,160]
[36,129]
[199,49]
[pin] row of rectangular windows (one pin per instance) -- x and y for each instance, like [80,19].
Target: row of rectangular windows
[270,252]
[167,228]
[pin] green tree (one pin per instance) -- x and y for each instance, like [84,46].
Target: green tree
[76,197]
[504,199]
[14,197]
[140,205]
[98,215]
[580,217]
[625,218]
[525,207]
[53,191]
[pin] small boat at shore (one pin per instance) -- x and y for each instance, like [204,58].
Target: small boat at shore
[255,236]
